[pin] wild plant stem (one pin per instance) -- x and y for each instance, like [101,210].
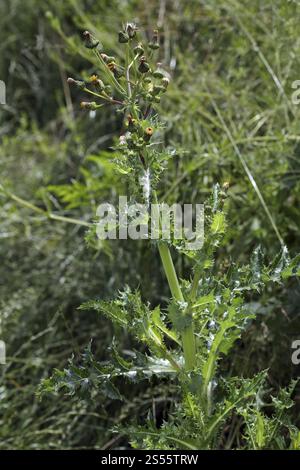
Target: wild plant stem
[188,338]
[170,271]
[195,282]
[110,75]
[48,215]
[106,98]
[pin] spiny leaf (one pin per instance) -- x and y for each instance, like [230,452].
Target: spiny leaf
[218,223]
[293,268]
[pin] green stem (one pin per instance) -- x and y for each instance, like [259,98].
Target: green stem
[195,282]
[170,271]
[188,338]
[48,215]
[110,75]
[103,97]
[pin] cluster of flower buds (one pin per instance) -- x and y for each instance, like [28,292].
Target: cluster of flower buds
[146,82]
[93,80]
[137,135]
[156,84]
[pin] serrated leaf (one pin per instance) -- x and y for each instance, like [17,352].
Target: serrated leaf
[157,320]
[218,224]
[293,268]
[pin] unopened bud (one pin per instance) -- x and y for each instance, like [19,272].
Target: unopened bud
[154,44]
[158,89]
[159,73]
[131,122]
[106,58]
[138,49]
[78,83]
[115,69]
[140,143]
[165,82]
[91,105]
[94,80]
[123,37]
[144,67]
[89,40]
[131,29]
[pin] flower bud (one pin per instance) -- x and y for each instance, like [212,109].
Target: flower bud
[89,40]
[91,105]
[123,37]
[158,73]
[107,58]
[147,80]
[131,122]
[94,80]
[158,89]
[140,143]
[138,49]
[78,83]
[144,67]
[148,133]
[165,82]
[130,30]
[154,44]
[114,69]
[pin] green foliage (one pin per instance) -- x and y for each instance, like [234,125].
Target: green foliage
[91,377]
[219,316]
[207,318]
[228,101]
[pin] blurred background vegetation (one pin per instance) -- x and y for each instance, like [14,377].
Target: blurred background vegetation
[232,65]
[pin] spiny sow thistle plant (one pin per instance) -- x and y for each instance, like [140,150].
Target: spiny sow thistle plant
[206,314]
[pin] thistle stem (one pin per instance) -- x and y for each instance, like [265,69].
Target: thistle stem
[188,338]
